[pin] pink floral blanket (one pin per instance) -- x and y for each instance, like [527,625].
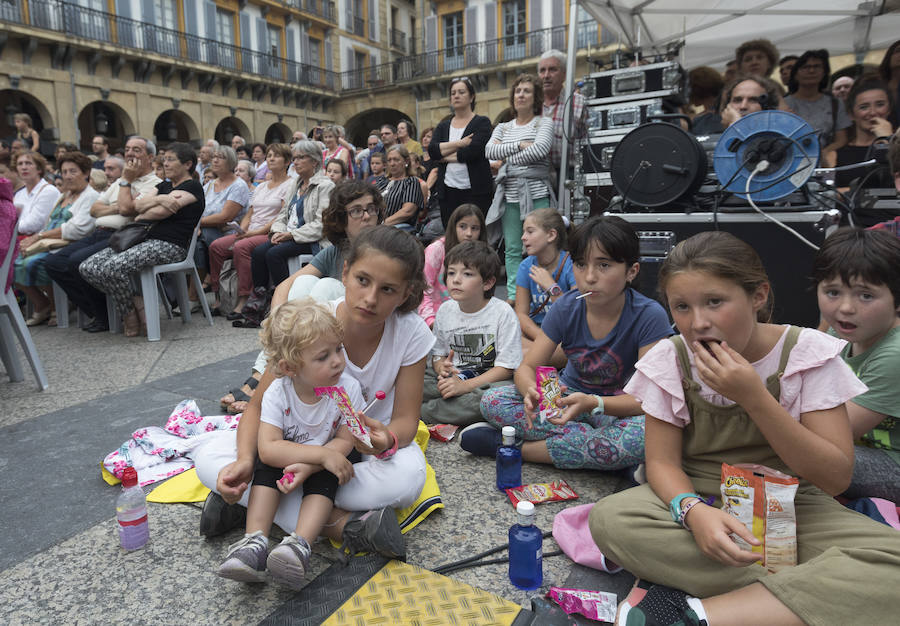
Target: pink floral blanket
[159,453]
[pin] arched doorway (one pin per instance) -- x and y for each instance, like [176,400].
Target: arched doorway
[278,133]
[14,101]
[174,125]
[107,119]
[228,128]
[359,125]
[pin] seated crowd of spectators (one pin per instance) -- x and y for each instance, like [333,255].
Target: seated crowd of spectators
[261,206]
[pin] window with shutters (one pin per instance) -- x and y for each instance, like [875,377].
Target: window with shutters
[225,26]
[315,61]
[359,23]
[91,24]
[225,35]
[166,13]
[453,41]
[514,29]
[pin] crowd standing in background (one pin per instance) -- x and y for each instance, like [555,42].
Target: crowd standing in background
[402,241]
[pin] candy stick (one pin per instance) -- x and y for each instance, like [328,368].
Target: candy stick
[379,395]
[584,295]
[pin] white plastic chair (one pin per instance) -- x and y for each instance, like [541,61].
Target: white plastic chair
[296,262]
[61,300]
[12,324]
[187,268]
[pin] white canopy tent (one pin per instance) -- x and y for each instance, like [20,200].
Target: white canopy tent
[712,29]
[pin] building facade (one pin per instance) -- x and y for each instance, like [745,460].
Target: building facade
[186,70]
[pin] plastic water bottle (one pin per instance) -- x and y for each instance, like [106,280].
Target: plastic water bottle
[526,563]
[509,461]
[131,512]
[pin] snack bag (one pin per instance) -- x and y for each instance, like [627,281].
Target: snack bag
[442,432]
[596,605]
[549,392]
[339,395]
[763,500]
[541,492]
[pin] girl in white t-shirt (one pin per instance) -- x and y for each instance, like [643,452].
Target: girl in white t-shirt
[733,388]
[386,344]
[303,341]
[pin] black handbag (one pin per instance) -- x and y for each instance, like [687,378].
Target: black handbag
[129,235]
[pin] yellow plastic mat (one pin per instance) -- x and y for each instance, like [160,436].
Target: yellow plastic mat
[400,593]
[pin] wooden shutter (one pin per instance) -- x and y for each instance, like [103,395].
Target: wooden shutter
[490,32]
[124,27]
[373,20]
[470,28]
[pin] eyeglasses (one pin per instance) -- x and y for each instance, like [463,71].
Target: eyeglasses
[170,159]
[357,212]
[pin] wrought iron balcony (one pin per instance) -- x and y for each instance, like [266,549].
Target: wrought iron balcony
[321,8]
[398,39]
[417,67]
[359,26]
[77,21]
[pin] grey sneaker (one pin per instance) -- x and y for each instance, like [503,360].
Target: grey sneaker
[246,560]
[218,517]
[375,531]
[289,561]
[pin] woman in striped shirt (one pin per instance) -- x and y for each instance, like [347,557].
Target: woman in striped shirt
[403,197]
[523,183]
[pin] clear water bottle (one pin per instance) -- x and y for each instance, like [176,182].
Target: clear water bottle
[131,512]
[525,550]
[509,461]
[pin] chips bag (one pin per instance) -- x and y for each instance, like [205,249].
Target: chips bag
[541,492]
[763,500]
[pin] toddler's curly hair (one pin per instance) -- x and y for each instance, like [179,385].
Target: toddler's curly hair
[292,327]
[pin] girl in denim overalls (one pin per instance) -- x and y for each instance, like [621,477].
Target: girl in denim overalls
[734,388]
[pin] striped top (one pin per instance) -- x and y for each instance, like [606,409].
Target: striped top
[399,192]
[504,144]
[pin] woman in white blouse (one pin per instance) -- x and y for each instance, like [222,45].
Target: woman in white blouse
[37,198]
[523,183]
[70,219]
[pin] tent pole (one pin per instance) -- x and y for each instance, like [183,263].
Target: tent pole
[564,195]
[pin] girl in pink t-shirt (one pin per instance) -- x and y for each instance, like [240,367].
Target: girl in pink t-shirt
[466,223]
[734,388]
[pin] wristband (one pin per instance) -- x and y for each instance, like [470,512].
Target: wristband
[599,409]
[679,511]
[382,456]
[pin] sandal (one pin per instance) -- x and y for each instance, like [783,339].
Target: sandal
[238,395]
[245,323]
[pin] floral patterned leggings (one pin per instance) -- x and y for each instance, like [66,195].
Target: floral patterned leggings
[601,442]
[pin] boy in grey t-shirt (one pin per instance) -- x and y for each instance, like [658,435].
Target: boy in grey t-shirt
[479,341]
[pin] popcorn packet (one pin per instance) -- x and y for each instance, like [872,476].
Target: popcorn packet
[549,392]
[763,500]
[354,424]
[596,605]
[541,492]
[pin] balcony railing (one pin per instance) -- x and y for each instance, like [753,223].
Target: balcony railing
[323,8]
[398,39]
[75,20]
[485,53]
[359,26]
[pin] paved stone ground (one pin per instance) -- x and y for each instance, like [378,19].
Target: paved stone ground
[59,555]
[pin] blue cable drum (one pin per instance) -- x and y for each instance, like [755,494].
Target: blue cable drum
[785,140]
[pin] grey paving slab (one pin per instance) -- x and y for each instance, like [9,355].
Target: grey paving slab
[54,460]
